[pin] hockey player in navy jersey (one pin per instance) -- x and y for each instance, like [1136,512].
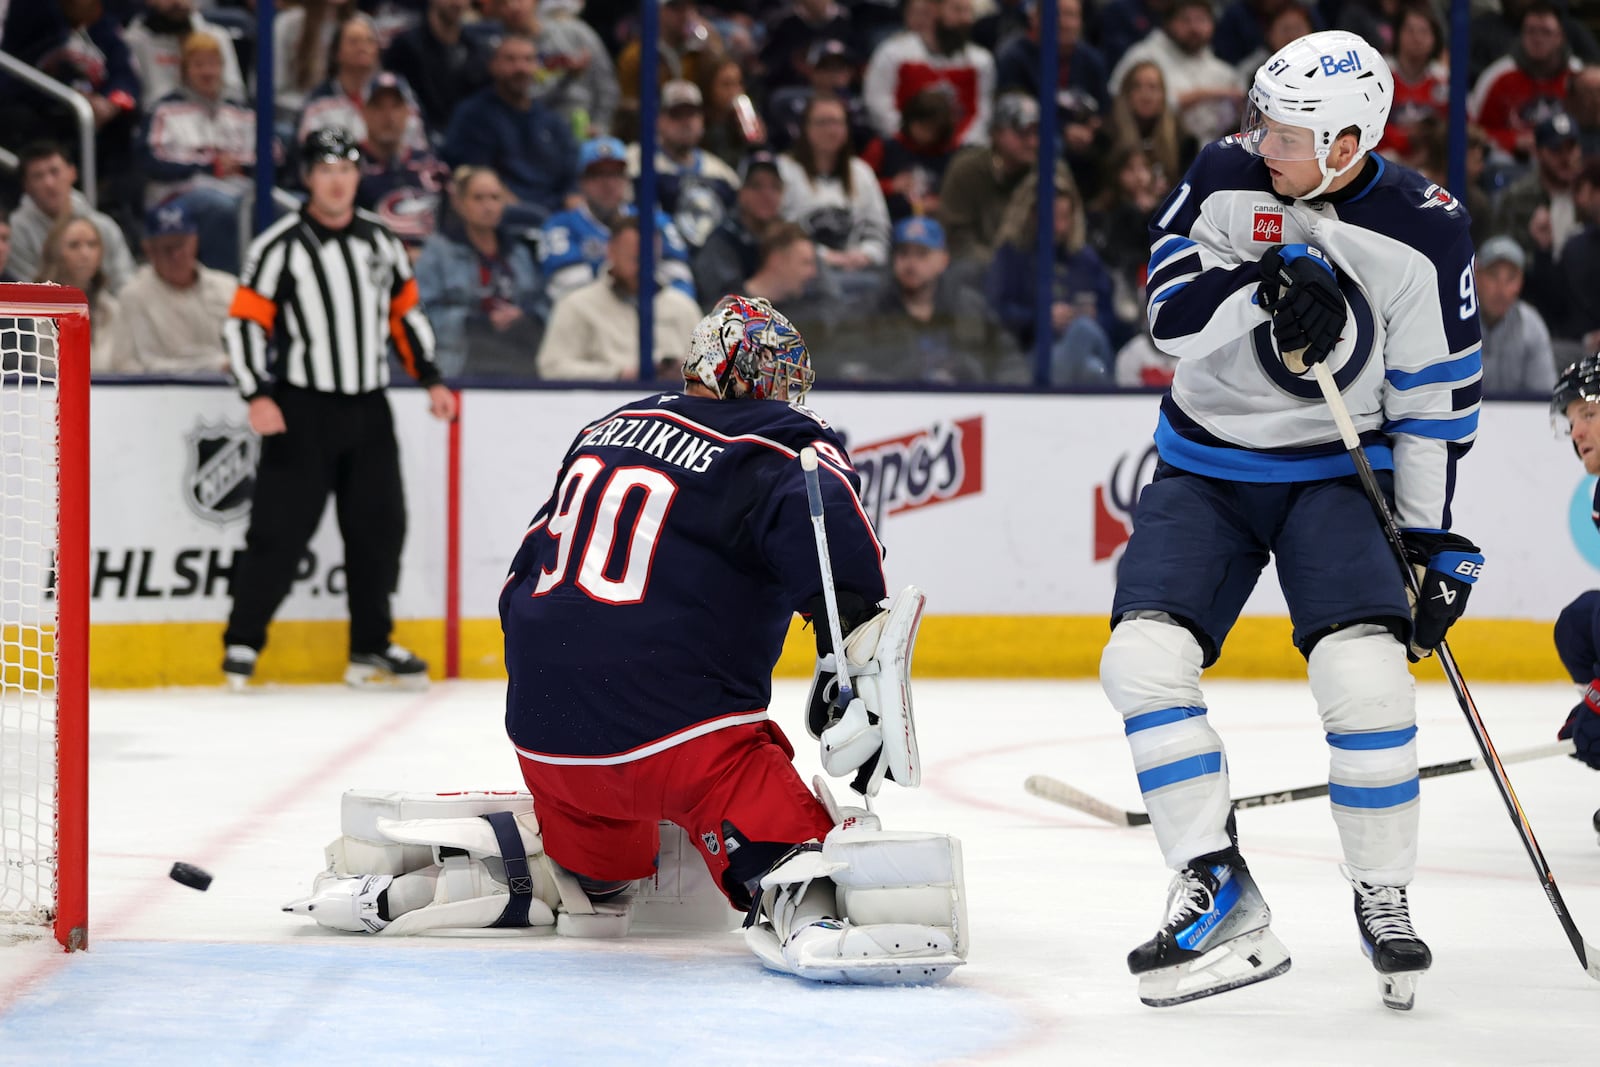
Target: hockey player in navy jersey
[1286,245]
[1576,405]
[644,612]
[643,616]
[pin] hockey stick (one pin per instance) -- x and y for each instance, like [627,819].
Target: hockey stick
[1588,955]
[1053,789]
[808,465]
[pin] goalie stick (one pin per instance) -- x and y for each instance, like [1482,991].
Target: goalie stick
[1588,955]
[1059,792]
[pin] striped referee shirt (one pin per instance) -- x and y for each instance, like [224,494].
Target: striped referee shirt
[316,308]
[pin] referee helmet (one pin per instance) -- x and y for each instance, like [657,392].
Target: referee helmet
[328,145]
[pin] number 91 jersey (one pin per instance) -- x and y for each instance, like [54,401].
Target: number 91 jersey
[652,593]
[1408,362]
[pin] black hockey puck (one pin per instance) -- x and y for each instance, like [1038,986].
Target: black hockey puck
[191,876]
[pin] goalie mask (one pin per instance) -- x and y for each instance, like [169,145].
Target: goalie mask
[1312,90]
[746,349]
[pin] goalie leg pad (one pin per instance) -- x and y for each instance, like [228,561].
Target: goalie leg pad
[878,654]
[868,907]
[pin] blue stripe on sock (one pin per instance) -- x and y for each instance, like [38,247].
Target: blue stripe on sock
[1376,739]
[1385,796]
[1163,717]
[1179,771]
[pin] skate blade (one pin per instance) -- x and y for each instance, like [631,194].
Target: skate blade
[1399,990]
[371,678]
[1242,961]
[237,683]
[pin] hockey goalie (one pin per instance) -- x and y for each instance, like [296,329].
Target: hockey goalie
[645,610]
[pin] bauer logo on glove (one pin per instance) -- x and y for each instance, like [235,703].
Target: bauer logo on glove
[1447,566]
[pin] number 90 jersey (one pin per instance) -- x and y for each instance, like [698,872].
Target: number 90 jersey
[1408,364]
[651,595]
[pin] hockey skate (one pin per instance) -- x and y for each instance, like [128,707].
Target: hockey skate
[1597,825]
[1216,936]
[238,664]
[393,668]
[1389,941]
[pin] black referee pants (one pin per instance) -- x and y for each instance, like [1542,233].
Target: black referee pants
[339,444]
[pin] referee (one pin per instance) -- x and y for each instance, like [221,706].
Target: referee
[322,293]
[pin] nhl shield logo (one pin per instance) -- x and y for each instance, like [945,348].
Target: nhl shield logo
[220,476]
[712,842]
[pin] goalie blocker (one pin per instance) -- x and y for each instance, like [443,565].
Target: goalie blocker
[862,906]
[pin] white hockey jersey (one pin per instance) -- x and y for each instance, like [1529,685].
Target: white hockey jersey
[1409,363]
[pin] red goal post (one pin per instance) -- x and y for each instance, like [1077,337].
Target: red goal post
[44,613]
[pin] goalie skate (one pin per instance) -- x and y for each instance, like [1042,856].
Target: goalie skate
[1216,936]
[1400,957]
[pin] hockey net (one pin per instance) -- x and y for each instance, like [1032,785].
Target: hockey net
[44,440]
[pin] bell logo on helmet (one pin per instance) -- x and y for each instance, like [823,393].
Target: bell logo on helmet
[1332,65]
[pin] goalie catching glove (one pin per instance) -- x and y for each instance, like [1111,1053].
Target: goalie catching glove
[874,734]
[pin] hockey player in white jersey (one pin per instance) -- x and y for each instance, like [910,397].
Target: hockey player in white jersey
[1286,245]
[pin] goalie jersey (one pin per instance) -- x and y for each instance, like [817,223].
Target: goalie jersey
[1409,363]
[653,591]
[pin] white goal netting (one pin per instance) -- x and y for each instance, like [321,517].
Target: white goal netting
[28,624]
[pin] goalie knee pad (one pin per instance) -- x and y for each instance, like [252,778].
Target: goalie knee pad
[866,906]
[878,722]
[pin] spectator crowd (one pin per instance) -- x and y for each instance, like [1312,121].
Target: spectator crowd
[869,166]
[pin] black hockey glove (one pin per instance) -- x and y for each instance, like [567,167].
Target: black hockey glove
[1583,726]
[1300,291]
[1447,565]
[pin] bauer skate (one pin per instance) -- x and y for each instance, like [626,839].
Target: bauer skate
[1216,936]
[1384,918]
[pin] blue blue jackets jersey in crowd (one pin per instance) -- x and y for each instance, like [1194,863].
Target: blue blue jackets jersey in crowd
[572,251]
[1409,363]
[653,591]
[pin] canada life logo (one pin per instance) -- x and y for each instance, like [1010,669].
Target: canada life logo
[1114,500]
[935,464]
[1267,227]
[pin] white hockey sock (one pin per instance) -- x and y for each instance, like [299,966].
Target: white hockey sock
[1367,701]
[1183,774]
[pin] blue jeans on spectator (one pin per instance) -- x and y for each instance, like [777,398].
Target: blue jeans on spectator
[216,212]
[1082,355]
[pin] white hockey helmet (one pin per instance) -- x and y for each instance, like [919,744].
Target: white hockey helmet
[746,349]
[1323,83]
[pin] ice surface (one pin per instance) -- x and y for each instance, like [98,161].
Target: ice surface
[248,788]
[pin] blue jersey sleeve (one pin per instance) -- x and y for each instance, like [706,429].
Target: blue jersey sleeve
[1201,290]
